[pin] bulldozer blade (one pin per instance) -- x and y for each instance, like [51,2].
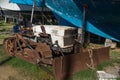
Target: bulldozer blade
[67,65]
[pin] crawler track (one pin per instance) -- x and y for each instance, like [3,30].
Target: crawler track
[8,45]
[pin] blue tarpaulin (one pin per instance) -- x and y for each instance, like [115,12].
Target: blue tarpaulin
[103,17]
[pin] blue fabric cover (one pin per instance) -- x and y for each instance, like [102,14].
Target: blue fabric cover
[103,17]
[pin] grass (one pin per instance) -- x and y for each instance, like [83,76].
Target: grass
[1,22]
[3,36]
[115,54]
[30,69]
[5,26]
[85,75]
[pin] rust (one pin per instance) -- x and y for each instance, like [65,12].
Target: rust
[42,53]
[77,47]
[43,34]
[67,65]
[100,55]
[8,45]
[44,50]
[43,29]
[28,50]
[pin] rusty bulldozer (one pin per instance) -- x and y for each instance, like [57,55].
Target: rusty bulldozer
[55,46]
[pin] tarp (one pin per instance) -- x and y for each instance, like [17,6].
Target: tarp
[103,17]
[97,23]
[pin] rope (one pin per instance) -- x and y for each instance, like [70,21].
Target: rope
[91,65]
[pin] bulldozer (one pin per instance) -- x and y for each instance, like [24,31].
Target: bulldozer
[55,46]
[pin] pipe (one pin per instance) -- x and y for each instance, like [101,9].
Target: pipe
[33,7]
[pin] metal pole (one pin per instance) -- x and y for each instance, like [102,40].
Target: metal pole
[43,22]
[33,7]
[83,24]
[42,16]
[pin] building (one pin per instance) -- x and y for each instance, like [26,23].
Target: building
[13,12]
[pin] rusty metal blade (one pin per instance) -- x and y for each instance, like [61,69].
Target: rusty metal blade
[67,65]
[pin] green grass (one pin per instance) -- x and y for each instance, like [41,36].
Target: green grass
[85,75]
[2,53]
[114,54]
[3,36]
[5,26]
[1,22]
[30,69]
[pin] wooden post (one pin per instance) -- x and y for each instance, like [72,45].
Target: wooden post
[5,19]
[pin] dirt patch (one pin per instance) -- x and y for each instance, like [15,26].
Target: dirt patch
[10,73]
[115,69]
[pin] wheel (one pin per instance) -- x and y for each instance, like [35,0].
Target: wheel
[8,45]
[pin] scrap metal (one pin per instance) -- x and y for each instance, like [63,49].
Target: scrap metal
[45,53]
